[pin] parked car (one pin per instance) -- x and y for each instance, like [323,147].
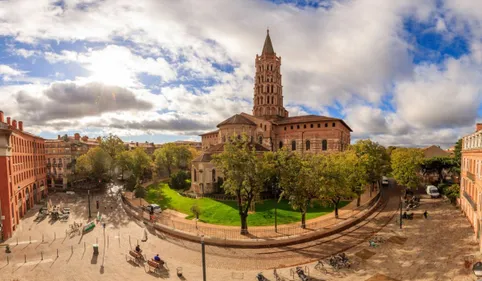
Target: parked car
[153,208]
[384,180]
[432,190]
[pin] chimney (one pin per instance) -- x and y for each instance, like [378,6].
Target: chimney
[20,125]
[2,117]
[478,127]
[14,124]
[58,137]
[8,120]
[77,136]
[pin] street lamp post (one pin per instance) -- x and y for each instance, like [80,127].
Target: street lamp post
[401,204]
[88,202]
[203,253]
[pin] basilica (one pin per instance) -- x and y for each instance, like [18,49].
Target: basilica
[269,127]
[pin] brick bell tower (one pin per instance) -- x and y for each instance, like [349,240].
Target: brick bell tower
[268,91]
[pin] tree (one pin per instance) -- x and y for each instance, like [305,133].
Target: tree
[457,157]
[113,145]
[245,173]
[375,160]
[338,177]
[406,163]
[124,162]
[437,165]
[300,178]
[178,180]
[165,157]
[141,162]
[139,192]
[95,163]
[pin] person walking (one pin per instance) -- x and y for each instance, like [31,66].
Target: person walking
[425,214]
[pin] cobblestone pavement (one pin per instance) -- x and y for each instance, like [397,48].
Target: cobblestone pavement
[442,252]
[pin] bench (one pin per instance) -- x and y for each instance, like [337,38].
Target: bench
[134,257]
[154,266]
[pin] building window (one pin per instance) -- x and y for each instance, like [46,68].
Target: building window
[291,127]
[195,175]
[297,126]
[224,138]
[285,128]
[324,145]
[311,126]
[307,145]
[214,175]
[304,126]
[260,139]
[293,145]
[265,127]
[280,144]
[333,124]
[326,125]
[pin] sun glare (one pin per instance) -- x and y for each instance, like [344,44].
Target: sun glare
[108,68]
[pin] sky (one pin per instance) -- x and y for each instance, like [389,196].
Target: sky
[405,73]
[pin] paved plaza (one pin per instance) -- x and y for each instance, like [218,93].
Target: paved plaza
[433,249]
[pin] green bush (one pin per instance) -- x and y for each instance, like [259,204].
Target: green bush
[140,192]
[453,192]
[442,188]
[179,180]
[196,210]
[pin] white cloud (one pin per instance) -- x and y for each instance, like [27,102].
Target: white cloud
[7,72]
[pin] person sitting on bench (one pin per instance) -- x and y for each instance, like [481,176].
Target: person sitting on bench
[157,258]
[138,249]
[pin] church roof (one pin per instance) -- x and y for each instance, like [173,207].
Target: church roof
[268,46]
[237,119]
[210,133]
[308,118]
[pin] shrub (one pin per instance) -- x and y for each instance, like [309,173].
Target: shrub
[140,192]
[196,210]
[453,192]
[179,180]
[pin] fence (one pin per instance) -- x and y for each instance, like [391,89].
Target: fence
[233,233]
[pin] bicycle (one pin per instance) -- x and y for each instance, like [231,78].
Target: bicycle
[321,266]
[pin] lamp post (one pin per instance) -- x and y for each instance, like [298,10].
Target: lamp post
[203,253]
[88,202]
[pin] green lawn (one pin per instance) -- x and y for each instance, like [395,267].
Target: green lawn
[226,212]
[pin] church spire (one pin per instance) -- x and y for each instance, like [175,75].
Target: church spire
[268,46]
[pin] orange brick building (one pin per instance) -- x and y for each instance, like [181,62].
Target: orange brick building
[22,173]
[269,125]
[471,180]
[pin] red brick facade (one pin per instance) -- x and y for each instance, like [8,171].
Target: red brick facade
[22,173]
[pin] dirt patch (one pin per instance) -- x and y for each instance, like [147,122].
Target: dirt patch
[397,240]
[365,254]
[381,277]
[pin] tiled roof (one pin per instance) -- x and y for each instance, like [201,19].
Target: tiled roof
[236,119]
[308,118]
[434,151]
[209,133]
[218,148]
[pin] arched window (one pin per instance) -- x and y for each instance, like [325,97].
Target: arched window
[195,175]
[324,145]
[214,175]
[293,145]
[224,138]
[307,145]
[280,144]
[260,139]
[272,92]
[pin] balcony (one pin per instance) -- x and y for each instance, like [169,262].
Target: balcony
[471,176]
[471,202]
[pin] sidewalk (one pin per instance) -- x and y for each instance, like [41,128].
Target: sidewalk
[173,220]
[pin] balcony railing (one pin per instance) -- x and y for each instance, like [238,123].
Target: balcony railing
[471,176]
[471,202]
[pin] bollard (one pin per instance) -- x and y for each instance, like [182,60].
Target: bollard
[57,253]
[25,257]
[41,256]
[30,239]
[17,241]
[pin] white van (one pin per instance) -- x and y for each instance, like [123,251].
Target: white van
[156,208]
[384,180]
[432,190]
